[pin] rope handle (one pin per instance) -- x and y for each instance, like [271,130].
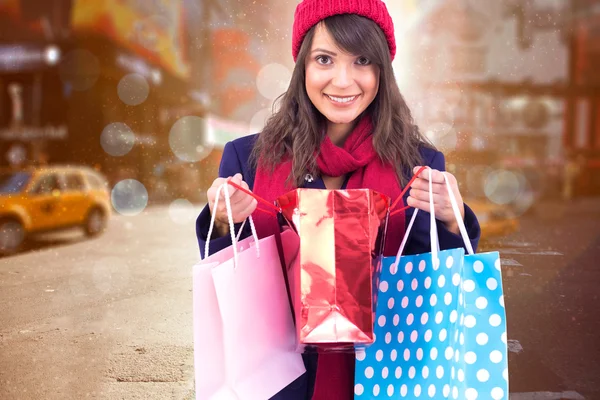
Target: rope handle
[234,238]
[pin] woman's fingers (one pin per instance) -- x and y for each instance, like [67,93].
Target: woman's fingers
[233,191]
[416,203]
[423,184]
[211,194]
[242,204]
[423,195]
[422,181]
[419,194]
[436,176]
[239,196]
[239,213]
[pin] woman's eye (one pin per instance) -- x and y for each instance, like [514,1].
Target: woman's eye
[363,61]
[323,60]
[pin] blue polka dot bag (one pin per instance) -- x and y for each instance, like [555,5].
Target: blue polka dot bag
[440,330]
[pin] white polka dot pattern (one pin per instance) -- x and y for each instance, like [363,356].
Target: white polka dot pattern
[440,332]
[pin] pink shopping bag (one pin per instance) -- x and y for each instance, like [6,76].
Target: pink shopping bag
[244,336]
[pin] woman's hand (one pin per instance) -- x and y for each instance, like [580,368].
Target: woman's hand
[419,196]
[242,204]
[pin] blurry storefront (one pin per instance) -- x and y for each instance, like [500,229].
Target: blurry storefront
[582,125]
[141,51]
[109,82]
[250,66]
[31,125]
[494,95]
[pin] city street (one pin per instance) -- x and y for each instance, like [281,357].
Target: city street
[110,318]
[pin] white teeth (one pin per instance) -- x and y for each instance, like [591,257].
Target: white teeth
[342,99]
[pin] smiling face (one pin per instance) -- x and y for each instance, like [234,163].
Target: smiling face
[340,85]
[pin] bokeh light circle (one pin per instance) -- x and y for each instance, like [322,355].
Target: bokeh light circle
[273,80]
[133,89]
[117,139]
[475,181]
[129,197]
[442,135]
[258,121]
[502,186]
[526,197]
[188,139]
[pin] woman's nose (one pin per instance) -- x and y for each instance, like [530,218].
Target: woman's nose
[343,76]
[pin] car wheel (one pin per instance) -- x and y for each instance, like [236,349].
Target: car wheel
[12,236]
[95,223]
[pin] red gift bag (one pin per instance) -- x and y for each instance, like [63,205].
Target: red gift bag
[334,277]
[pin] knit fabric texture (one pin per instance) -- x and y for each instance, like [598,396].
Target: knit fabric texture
[311,12]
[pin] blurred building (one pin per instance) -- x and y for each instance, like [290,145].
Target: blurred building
[94,82]
[31,124]
[582,125]
[495,78]
[249,47]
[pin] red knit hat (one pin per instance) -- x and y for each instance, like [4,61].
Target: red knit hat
[310,12]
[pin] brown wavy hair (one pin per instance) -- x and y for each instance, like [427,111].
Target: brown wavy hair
[296,127]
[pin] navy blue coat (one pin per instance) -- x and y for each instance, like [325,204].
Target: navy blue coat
[236,160]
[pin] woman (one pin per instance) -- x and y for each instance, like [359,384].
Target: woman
[342,124]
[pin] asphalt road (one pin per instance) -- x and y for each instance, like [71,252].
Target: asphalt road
[104,318]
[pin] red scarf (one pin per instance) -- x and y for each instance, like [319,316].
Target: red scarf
[335,372]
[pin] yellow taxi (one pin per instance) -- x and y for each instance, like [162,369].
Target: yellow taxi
[41,199]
